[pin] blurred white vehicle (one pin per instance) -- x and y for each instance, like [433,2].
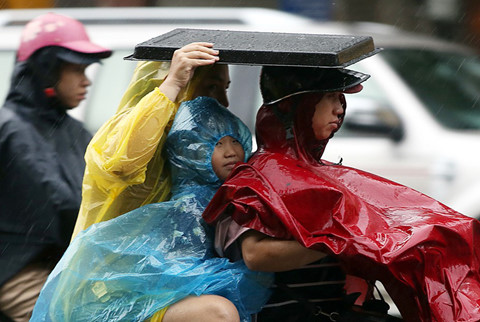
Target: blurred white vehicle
[417,121]
[122,28]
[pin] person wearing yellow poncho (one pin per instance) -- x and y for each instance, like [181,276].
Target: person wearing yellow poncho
[124,161]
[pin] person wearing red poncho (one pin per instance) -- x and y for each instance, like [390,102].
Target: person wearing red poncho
[424,253]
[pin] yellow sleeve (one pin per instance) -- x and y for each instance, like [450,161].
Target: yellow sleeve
[118,158]
[122,148]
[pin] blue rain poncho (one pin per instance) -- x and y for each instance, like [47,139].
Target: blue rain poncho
[132,266]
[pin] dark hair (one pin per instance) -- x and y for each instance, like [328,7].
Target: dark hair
[46,63]
[45,67]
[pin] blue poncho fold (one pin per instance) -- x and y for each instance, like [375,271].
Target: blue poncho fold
[130,267]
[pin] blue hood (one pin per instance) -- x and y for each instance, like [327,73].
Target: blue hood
[198,126]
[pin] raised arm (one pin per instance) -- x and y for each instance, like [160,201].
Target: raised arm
[116,178]
[127,143]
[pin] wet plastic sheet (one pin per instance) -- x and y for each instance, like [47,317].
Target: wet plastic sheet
[263,48]
[425,254]
[134,265]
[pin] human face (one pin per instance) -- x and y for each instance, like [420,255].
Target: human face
[228,151]
[72,85]
[215,84]
[327,116]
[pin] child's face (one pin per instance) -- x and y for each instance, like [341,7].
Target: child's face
[72,86]
[215,84]
[326,118]
[228,151]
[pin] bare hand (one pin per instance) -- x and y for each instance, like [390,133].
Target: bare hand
[184,62]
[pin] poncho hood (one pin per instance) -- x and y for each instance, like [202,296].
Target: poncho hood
[198,126]
[286,127]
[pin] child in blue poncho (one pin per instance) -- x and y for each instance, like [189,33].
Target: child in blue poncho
[136,266]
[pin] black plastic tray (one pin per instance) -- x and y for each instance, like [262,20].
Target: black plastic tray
[263,48]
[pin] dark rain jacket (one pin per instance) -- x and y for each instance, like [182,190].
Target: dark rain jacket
[41,170]
[424,253]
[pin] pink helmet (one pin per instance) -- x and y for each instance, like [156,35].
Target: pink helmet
[52,29]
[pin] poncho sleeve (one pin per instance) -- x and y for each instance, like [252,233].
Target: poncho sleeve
[123,147]
[126,148]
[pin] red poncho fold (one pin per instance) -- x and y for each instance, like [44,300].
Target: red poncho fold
[424,253]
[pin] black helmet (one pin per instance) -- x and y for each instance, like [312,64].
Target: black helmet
[277,83]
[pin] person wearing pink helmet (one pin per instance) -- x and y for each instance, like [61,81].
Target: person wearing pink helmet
[41,158]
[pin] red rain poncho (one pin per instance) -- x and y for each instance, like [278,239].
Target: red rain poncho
[424,253]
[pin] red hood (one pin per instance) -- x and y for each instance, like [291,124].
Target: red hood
[286,128]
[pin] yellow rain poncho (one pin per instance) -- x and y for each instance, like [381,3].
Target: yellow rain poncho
[124,161]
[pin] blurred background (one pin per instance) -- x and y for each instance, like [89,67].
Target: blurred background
[417,121]
[456,20]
